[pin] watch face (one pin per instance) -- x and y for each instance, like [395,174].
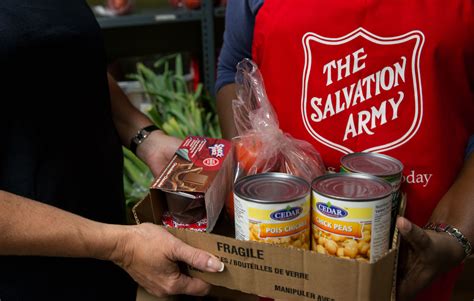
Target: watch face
[139,138]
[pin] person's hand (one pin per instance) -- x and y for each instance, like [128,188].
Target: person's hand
[424,254]
[157,150]
[149,254]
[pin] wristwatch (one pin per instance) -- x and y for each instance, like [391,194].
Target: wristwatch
[454,232]
[141,136]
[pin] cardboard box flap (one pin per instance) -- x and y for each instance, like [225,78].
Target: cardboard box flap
[291,274]
[147,211]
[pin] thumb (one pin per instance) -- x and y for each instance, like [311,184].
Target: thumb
[413,234]
[196,258]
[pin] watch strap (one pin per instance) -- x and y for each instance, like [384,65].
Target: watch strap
[141,136]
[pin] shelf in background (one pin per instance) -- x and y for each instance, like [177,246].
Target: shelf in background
[148,31]
[150,17]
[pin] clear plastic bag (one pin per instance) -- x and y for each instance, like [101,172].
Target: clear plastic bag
[261,146]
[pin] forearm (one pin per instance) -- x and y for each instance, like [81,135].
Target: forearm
[457,205]
[128,119]
[28,227]
[158,148]
[225,96]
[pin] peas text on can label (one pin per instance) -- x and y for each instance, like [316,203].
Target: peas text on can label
[351,216]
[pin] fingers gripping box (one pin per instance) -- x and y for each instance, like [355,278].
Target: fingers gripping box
[192,187]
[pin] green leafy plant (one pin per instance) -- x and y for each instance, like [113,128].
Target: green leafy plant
[176,108]
[137,177]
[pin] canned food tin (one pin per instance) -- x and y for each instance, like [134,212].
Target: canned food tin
[351,216]
[382,166]
[273,208]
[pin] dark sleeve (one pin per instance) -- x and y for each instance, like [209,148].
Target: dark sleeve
[470,147]
[238,36]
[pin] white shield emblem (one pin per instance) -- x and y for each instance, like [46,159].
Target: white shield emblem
[362,92]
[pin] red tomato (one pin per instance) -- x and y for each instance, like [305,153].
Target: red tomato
[192,4]
[247,150]
[176,3]
[118,4]
[120,7]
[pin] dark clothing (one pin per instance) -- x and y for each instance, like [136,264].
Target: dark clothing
[58,142]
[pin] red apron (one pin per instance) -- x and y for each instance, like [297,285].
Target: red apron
[388,76]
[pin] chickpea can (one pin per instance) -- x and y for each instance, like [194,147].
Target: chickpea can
[273,208]
[381,166]
[351,216]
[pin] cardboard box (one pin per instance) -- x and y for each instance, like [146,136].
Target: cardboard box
[283,273]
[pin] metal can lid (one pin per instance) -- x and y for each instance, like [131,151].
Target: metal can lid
[372,163]
[352,187]
[271,187]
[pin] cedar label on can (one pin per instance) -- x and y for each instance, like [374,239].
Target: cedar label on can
[273,208]
[351,216]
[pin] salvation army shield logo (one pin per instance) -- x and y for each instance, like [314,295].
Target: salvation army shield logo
[362,92]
